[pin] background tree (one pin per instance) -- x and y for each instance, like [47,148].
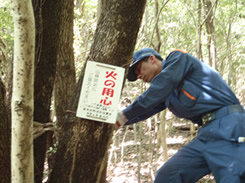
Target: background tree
[4,138]
[177,23]
[6,42]
[209,21]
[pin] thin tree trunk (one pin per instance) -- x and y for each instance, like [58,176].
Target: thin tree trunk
[22,97]
[210,31]
[138,142]
[164,135]
[199,30]
[83,143]
[229,62]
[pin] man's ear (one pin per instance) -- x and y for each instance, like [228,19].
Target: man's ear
[152,59]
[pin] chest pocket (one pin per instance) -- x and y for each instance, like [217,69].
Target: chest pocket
[188,94]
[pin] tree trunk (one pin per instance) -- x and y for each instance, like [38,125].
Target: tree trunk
[210,31]
[65,79]
[84,143]
[229,61]
[47,16]
[199,30]
[4,138]
[164,135]
[22,96]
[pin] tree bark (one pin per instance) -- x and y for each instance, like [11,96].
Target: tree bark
[22,96]
[84,143]
[4,138]
[47,16]
[65,79]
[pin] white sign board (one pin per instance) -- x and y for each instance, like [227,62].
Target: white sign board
[100,94]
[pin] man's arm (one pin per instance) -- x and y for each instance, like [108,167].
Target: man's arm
[175,68]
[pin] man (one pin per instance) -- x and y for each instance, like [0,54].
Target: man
[191,90]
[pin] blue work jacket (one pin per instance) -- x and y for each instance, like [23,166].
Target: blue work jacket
[187,86]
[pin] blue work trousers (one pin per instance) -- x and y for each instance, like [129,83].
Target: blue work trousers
[215,149]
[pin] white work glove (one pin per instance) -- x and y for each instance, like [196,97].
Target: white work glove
[121,120]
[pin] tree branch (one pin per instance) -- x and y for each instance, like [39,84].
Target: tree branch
[41,128]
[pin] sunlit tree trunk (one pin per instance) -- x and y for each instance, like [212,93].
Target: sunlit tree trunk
[84,143]
[22,97]
[199,29]
[164,135]
[229,62]
[210,31]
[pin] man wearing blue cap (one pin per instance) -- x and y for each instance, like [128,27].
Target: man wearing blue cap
[192,90]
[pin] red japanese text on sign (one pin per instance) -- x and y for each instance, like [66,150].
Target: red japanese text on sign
[100,92]
[108,92]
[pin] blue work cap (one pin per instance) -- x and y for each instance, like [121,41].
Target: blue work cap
[138,56]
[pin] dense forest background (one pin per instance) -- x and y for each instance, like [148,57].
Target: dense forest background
[212,30]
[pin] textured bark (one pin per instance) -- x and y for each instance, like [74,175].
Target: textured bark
[5,123]
[47,16]
[65,79]
[4,138]
[22,96]
[83,143]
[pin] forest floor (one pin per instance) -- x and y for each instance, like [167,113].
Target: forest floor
[132,152]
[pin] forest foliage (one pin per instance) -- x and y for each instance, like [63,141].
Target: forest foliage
[170,23]
[166,25]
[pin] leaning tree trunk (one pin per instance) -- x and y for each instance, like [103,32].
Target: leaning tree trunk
[47,16]
[22,96]
[83,143]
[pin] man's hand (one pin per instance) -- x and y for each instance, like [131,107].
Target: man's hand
[121,120]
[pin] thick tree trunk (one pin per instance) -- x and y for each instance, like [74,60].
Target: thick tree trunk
[4,138]
[47,16]
[22,96]
[83,143]
[65,79]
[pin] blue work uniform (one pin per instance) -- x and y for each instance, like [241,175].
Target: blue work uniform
[191,89]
